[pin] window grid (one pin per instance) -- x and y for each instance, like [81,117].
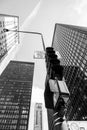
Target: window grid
[72,44]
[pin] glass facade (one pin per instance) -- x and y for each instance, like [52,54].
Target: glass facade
[8,39]
[71,42]
[15,95]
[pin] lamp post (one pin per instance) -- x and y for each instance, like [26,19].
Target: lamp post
[36,33]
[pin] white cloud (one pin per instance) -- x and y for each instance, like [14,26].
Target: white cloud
[31,16]
[80,5]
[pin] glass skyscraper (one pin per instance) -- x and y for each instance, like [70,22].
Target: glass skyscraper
[15,95]
[9,40]
[71,42]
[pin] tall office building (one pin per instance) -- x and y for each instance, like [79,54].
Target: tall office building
[15,95]
[8,40]
[71,42]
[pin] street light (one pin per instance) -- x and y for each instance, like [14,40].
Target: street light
[37,33]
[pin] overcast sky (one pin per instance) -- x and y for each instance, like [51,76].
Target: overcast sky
[49,12]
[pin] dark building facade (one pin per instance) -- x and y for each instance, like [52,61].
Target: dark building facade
[15,95]
[71,42]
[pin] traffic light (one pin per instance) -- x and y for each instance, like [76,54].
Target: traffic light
[56,93]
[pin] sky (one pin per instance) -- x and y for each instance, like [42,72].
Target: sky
[47,13]
[21,8]
[41,15]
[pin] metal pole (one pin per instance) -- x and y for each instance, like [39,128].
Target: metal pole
[6,30]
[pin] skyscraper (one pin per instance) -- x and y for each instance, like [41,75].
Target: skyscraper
[71,42]
[8,40]
[15,95]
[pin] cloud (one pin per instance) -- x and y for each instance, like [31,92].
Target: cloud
[32,15]
[80,5]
